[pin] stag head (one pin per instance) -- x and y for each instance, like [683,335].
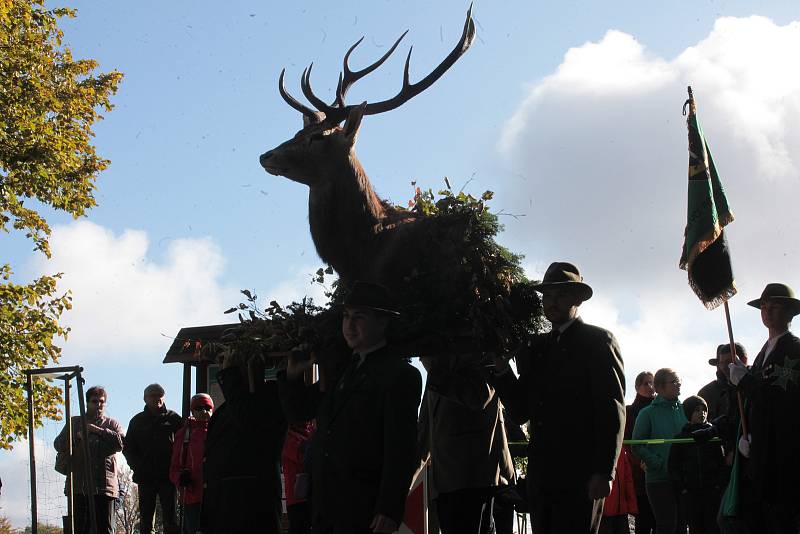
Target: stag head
[323,148]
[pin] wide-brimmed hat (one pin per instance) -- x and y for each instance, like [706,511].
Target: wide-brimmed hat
[741,353]
[562,274]
[778,292]
[371,296]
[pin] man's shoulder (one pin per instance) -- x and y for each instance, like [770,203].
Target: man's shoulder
[138,418]
[592,330]
[710,388]
[395,363]
[791,343]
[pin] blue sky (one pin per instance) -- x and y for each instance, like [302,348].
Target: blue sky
[569,111]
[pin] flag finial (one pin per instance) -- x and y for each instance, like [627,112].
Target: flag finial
[689,102]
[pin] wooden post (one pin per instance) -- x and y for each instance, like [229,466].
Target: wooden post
[88,489]
[187,389]
[739,400]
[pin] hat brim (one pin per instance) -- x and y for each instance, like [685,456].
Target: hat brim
[794,303]
[585,288]
[385,311]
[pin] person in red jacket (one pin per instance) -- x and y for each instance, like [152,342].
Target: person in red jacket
[186,468]
[296,476]
[622,499]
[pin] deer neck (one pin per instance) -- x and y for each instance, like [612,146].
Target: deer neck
[344,213]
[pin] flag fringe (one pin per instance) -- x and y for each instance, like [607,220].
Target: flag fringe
[714,301]
[702,244]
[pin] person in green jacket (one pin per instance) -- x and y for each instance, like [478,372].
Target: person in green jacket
[663,418]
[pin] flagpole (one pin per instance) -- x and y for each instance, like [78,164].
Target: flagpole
[739,400]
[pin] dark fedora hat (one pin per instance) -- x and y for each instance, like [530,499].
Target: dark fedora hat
[562,274]
[780,293]
[725,348]
[371,296]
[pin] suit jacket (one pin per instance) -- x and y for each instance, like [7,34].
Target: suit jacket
[241,477]
[573,393]
[364,450]
[461,428]
[774,423]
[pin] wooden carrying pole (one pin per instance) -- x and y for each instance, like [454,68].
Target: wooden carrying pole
[739,400]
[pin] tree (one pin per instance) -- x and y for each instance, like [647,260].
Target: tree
[126,511]
[48,105]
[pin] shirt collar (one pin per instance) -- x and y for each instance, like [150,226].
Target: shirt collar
[771,342]
[364,353]
[563,327]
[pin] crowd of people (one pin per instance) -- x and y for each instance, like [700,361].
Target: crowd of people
[350,444]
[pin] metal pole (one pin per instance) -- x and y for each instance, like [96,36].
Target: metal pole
[70,525]
[31,451]
[88,487]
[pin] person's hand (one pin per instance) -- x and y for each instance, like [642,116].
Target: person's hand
[704,435]
[381,523]
[744,446]
[598,487]
[501,364]
[94,429]
[643,465]
[298,363]
[737,370]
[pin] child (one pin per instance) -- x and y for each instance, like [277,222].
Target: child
[698,470]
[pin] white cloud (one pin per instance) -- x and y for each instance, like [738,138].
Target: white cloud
[600,149]
[124,298]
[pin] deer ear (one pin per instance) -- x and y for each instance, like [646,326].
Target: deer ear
[353,122]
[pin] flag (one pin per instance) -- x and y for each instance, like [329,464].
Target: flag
[706,256]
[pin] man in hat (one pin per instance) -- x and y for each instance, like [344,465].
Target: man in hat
[772,387]
[364,450]
[148,450]
[720,395]
[572,388]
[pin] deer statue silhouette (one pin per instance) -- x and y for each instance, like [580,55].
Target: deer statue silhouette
[355,231]
[429,262]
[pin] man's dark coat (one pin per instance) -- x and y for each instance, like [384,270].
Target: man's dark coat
[364,450]
[148,444]
[774,424]
[241,477]
[572,390]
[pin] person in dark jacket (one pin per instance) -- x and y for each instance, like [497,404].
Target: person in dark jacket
[186,467]
[772,388]
[644,521]
[364,450]
[241,470]
[575,438]
[720,394]
[697,470]
[462,432]
[105,441]
[148,449]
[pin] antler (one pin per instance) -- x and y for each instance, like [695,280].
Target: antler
[349,77]
[338,111]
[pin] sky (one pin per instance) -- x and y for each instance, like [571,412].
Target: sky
[569,111]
